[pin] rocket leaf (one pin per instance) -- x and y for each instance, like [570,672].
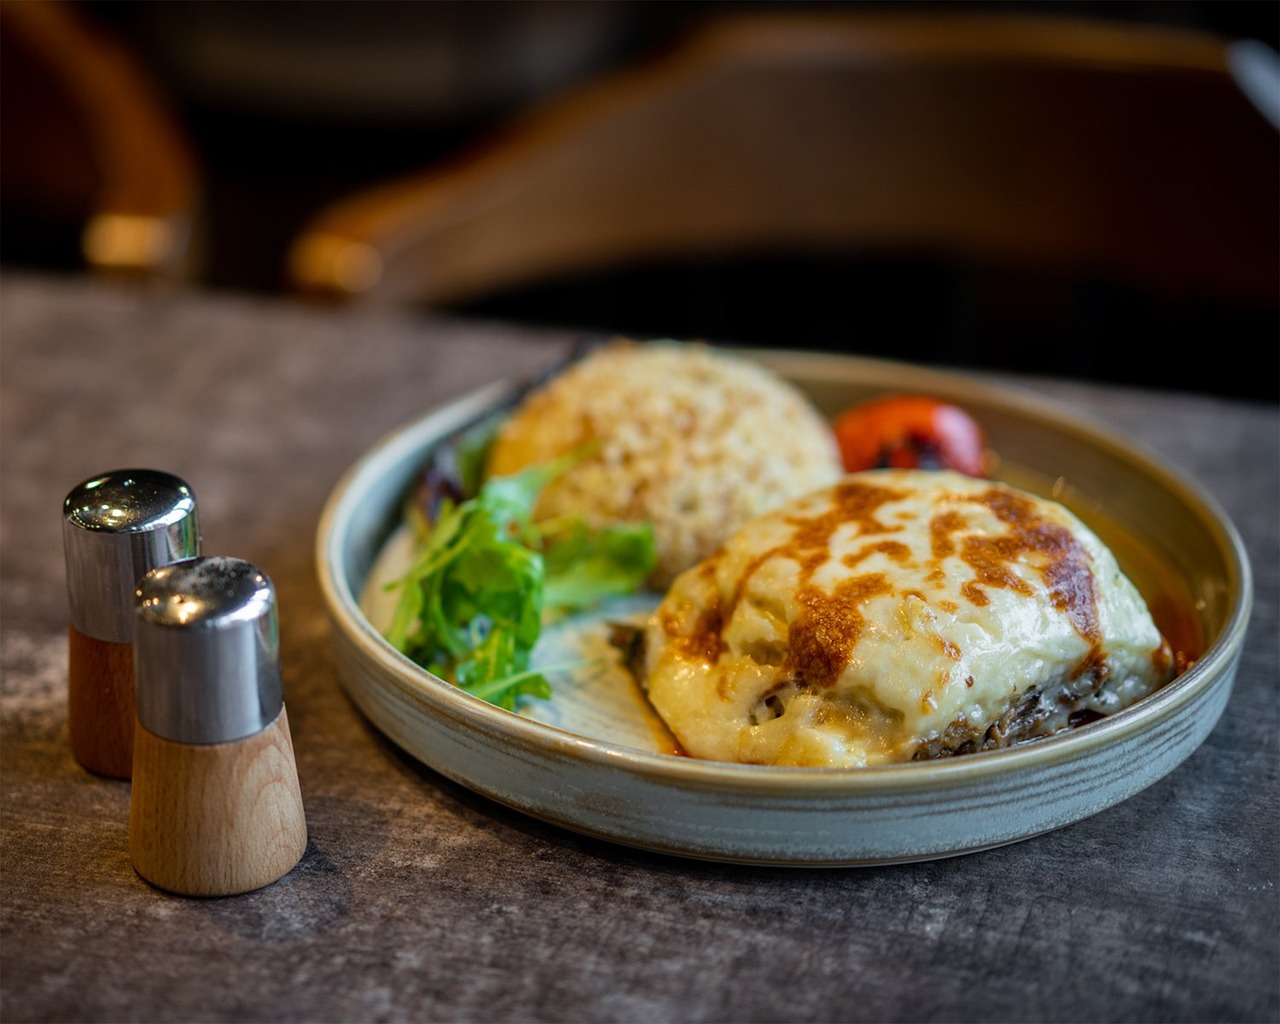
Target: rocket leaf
[484,577]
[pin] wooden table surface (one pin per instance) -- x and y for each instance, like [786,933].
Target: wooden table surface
[419,901]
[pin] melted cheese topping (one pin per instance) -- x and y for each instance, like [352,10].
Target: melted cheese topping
[899,615]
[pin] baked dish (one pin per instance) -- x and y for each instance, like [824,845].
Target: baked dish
[897,615]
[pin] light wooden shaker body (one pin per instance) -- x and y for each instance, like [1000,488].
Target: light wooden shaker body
[216,819]
[100,709]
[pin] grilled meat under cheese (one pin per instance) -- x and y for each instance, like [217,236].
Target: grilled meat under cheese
[898,615]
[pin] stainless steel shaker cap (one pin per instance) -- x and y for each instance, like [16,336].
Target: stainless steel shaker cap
[116,528]
[206,651]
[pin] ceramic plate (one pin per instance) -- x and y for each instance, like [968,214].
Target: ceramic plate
[597,760]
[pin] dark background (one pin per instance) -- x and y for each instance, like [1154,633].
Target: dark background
[290,105]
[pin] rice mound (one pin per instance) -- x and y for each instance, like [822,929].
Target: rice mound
[693,439]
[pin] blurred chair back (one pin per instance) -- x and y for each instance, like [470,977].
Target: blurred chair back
[1123,150]
[91,146]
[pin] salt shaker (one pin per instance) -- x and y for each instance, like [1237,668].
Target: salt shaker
[115,528]
[215,807]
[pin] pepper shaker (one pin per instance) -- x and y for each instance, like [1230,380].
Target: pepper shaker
[215,807]
[115,528]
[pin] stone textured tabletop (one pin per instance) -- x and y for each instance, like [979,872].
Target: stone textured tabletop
[417,900]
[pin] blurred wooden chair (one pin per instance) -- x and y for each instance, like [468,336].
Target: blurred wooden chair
[89,145]
[1116,149]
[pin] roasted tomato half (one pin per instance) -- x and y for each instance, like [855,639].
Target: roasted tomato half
[910,431]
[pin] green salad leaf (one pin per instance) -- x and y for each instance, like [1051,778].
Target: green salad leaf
[484,578]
